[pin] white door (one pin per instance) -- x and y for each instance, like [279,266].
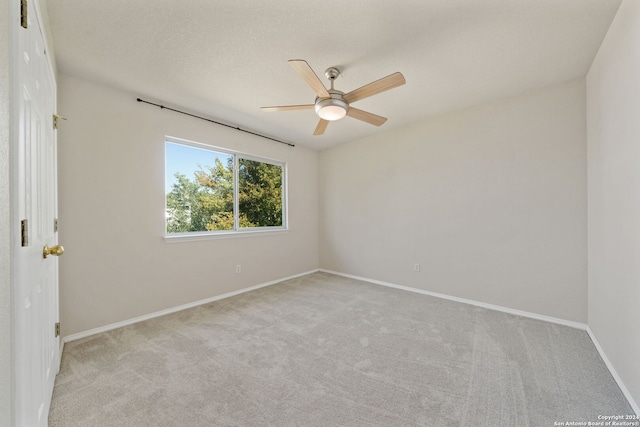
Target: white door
[37,345]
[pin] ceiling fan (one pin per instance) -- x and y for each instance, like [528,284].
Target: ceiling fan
[333,104]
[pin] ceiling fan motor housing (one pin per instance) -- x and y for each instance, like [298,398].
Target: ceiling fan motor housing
[333,108]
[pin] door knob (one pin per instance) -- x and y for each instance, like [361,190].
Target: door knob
[56,250]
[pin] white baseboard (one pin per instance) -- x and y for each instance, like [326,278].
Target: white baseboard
[614,373]
[117,325]
[521,313]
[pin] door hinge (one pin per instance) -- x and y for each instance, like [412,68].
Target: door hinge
[55,225]
[56,120]
[24,231]
[23,13]
[57,329]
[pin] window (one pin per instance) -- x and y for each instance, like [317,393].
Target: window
[215,191]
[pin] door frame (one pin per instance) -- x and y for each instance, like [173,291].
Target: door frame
[7,14]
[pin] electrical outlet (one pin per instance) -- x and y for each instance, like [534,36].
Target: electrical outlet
[238,268]
[416,267]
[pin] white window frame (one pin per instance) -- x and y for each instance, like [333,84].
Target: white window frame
[237,231]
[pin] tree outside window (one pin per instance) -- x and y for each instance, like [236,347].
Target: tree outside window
[202,195]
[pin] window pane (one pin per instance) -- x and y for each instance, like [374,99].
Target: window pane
[260,194]
[199,189]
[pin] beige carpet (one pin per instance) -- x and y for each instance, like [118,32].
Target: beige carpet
[323,350]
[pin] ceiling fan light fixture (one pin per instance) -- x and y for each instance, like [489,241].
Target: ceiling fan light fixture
[331,108]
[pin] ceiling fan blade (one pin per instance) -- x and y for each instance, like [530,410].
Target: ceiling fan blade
[322,126]
[366,116]
[288,107]
[373,88]
[310,77]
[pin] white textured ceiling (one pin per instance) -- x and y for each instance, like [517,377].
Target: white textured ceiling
[226,59]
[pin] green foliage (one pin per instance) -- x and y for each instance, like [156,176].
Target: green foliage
[260,193]
[184,206]
[217,202]
[206,203]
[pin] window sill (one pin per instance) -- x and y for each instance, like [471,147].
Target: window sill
[192,237]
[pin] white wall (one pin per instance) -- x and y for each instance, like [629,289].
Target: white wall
[117,266]
[6,320]
[491,202]
[613,105]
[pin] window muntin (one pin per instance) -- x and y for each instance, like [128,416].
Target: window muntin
[211,191]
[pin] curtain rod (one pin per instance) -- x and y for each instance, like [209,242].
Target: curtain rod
[213,121]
